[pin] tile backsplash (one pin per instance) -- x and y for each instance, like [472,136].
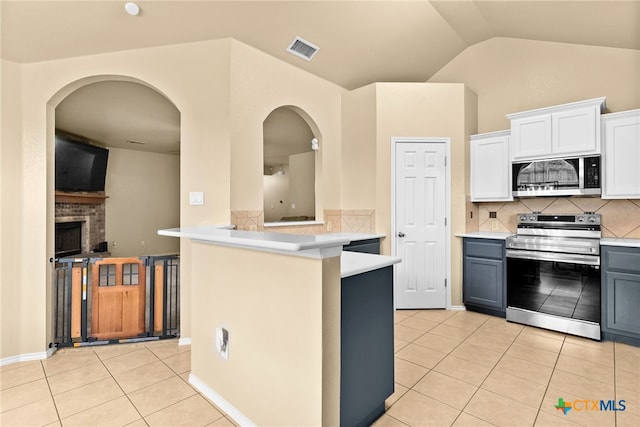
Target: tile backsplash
[335,221]
[620,218]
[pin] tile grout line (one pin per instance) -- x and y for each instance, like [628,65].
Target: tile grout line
[123,391]
[55,405]
[480,386]
[553,371]
[197,393]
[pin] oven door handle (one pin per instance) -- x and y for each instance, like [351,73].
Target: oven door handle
[554,256]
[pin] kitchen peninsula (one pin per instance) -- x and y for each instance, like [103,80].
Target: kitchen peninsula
[298,344]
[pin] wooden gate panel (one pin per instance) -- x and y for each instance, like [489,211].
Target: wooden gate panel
[118,302]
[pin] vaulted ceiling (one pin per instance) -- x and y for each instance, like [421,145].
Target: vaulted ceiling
[360,41]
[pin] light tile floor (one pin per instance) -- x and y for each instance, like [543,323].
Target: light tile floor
[452,368]
[460,368]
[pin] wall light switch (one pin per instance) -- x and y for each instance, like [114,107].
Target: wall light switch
[196,198]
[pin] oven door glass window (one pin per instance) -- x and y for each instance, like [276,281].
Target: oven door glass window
[558,288]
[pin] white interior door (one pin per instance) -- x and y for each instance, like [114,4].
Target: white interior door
[420,224]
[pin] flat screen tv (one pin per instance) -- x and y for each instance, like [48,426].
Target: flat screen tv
[80,166]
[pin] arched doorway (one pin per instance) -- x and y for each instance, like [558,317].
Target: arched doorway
[140,128]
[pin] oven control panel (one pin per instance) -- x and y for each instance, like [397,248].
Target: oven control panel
[587,218]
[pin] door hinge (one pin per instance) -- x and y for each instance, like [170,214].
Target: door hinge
[445,221]
[445,161]
[445,283]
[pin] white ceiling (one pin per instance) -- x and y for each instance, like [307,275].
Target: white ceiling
[360,41]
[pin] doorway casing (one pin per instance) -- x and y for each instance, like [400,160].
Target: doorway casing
[428,140]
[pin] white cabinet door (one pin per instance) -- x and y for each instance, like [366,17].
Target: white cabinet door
[531,137]
[621,155]
[490,167]
[558,131]
[575,131]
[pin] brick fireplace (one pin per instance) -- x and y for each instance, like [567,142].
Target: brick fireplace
[86,215]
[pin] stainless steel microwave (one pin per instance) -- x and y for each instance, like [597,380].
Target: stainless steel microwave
[573,176]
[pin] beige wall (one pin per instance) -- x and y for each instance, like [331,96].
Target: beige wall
[283,318]
[13,323]
[424,110]
[144,197]
[259,85]
[359,148]
[511,75]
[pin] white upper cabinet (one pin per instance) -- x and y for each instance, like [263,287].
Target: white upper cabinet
[559,131]
[621,155]
[490,167]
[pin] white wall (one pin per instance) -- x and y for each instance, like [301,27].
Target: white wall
[302,184]
[276,195]
[144,196]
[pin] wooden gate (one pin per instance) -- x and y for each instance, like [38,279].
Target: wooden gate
[118,298]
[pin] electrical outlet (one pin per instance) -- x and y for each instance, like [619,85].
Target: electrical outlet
[494,225]
[142,243]
[222,342]
[329,226]
[493,214]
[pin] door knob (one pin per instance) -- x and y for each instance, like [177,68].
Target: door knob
[400,234]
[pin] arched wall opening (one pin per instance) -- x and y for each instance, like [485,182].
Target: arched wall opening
[291,165]
[142,186]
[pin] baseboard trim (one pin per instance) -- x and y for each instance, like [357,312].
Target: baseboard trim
[184,341]
[220,402]
[27,357]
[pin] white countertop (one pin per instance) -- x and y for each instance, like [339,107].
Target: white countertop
[612,241]
[352,263]
[485,235]
[257,239]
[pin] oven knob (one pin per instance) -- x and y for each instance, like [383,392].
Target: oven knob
[592,219]
[523,217]
[580,219]
[532,218]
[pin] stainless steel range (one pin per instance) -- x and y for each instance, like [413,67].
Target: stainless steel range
[553,273]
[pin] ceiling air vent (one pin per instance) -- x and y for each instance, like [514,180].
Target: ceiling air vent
[303,48]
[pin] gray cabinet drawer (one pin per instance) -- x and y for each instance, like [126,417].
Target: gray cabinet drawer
[484,248]
[621,259]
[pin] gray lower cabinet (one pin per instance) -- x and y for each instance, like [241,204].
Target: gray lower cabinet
[620,294]
[484,275]
[369,246]
[366,339]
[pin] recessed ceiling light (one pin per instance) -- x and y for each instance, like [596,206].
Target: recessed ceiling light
[132,8]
